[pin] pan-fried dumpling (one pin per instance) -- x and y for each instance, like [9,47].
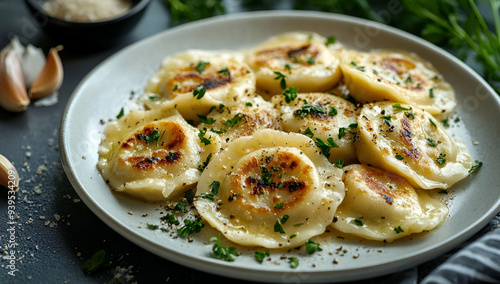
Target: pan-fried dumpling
[273,189]
[322,116]
[153,154]
[411,143]
[399,77]
[196,80]
[384,207]
[296,59]
[252,114]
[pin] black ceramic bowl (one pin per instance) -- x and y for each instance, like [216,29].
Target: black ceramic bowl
[90,35]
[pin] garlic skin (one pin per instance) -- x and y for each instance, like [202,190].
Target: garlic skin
[32,60]
[13,96]
[50,78]
[9,178]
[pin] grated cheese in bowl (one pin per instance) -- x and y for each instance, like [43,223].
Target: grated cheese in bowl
[86,10]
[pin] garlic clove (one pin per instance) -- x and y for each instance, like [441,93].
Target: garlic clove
[13,96]
[32,60]
[9,178]
[50,78]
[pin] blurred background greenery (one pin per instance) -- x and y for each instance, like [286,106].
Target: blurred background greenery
[469,29]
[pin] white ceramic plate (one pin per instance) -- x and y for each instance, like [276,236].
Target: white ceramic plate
[107,88]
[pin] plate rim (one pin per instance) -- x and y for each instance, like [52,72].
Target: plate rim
[218,267]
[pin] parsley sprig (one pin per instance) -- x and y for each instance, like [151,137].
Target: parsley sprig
[223,252]
[190,227]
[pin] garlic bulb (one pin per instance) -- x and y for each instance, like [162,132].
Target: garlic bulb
[50,78]
[9,178]
[13,96]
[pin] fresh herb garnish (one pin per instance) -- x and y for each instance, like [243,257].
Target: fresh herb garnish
[339,163]
[170,218]
[279,205]
[204,119]
[120,114]
[199,92]
[96,261]
[202,137]
[330,40]
[309,109]
[152,226]
[441,159]
[290,94]
[190,227]
[282,77]
[431,93]
[408,80]
[200,67]
[410,114]
[387,119]
[223,252]
[398,230]
[261,255]
[277,226]
[358,221]
[224,71]
[432,122]
[476,167]
[205,163]
[311,60]
[399,157]
[182,206]
[308,132]
[431,142]
[343,130]
[248,104]
[312,247]
[332,111]
[154,98]
[360,68]
[214,190]
[288,67]
[235,120]
[398,106]
[445,122]
[294,262]
[326,146]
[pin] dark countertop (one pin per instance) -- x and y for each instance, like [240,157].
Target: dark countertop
[55,231]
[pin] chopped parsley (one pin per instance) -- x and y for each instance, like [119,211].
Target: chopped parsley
[298,224]
[343,130]
[267,176]
[398,106]
[182,206]
[431,93]
[221,131]
[326,146]
[294,262]
[330,40]
[387,119]
[199,92]
[282,77]
[339,163]
[290,94]
[399,157]
[213,191]
[277,226]
[408,80]
[189,195]
[235,120]
[476,167]
[431,142]
[202,167]
[375,72]
[398,230]
[170,218]
[360,68]
[410,114]
[432,122]
[202,137]
[279,205]
[175,88]
[441,159]
[200,67]
[152,137]
[261,255]
[223,252]
[95,262]
[312,247]
[311,60]
[224,71]
[190,227]
[332,111]
[358,221]
[288,67]
[204,119]
[152,227]
[445,122]
[308,132]
[154,98]
[120,114]
[248,104]
[309,109]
